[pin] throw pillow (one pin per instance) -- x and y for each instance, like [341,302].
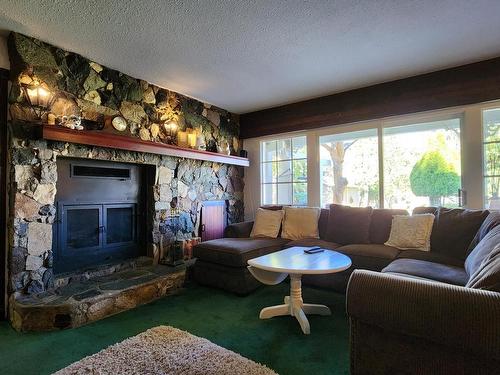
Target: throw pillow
[300,222]
[411,232]
[267,223]
[349,225]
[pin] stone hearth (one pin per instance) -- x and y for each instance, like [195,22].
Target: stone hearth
[84,301]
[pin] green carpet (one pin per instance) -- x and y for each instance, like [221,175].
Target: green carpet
[227,320]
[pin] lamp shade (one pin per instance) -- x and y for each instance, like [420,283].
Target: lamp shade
[38,97]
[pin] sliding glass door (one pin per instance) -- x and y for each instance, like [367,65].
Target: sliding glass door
[406,166]
[422,164]
[349,168]
[491,154]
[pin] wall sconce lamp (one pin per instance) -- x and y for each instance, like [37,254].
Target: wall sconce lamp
[171,131]
[38,96]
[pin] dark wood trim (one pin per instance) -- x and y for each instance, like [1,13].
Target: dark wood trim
[121,142]
[467,84]
[4,80]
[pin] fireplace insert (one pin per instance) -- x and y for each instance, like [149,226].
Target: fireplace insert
[100,213]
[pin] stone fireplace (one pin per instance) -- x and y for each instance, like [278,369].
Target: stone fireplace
[86,221]
[101,213]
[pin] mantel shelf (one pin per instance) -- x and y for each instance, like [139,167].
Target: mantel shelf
[97,138]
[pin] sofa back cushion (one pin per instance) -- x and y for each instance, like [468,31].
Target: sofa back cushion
[491,221]
[487,275]
[482,250]
[380,225]
[454,230]
[424,210]
[323,223]
[349,225]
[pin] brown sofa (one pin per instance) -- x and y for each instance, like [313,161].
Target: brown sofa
[431,314]
[359,233]
[222,263]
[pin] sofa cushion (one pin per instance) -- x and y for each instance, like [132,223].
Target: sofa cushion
[454,230]
[424,210]
[482,250]
[369,256]
[430,256]
[235,252]
[428,270]
[380,225]
[370,250]
[349,225]
[491,221]
[314,242]
[487,275]
[323,223]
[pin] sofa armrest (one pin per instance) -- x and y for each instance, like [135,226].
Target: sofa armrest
[238,230]
[458,317]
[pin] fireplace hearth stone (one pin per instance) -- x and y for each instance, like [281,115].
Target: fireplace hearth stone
[80,302]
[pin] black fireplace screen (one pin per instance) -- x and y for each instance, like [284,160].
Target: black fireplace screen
[98,218]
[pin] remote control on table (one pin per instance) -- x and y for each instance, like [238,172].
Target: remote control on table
[314,250]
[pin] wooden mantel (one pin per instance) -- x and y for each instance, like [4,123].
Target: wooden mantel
[96,138]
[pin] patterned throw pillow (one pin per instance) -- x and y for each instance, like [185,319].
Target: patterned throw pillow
[411,232]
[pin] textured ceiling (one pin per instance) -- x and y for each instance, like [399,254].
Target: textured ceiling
[246,55]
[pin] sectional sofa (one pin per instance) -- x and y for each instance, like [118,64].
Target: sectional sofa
[359,233]
[410,311]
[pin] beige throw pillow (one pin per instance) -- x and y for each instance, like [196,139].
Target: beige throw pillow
[300,222]
[411,232]
[267,223]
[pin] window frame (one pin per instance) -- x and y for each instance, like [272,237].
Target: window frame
[472,152]
[483,153]
[292,181]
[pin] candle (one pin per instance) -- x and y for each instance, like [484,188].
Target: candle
[51,119]
[182,138]
[192,140]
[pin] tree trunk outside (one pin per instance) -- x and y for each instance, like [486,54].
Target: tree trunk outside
[435,201]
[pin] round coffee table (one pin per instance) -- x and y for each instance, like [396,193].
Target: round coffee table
[273,268]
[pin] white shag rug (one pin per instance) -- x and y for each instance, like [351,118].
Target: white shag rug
[166,350]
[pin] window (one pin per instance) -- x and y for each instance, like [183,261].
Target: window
[284,171]
[422,164]
[349,168]
[491,162]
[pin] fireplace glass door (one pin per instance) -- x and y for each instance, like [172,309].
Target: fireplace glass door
[93,233]
[120,224]
[83,224]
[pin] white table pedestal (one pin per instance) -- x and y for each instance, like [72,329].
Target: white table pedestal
[294,306]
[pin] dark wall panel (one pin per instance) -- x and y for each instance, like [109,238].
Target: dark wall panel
[467,84]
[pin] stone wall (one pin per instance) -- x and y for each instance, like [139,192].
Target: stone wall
[183,183]
[87,89]
[84,88]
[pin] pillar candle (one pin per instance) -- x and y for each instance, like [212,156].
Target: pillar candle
[51,119]
[182,138]
[192,140]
